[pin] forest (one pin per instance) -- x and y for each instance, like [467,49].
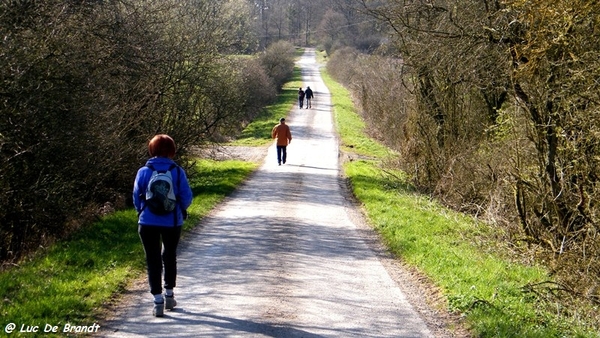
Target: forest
[491,106]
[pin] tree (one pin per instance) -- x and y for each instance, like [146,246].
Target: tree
[555,60]
[331,29]
[85,85]
[499,111]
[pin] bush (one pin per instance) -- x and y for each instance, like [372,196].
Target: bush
[258,87]
[278,62]
[501,124]
[84,89]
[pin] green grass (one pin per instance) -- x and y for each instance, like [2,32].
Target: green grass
[456,253]
[350,126]
[69,282]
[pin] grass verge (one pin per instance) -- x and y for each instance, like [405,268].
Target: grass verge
[69,282]
[458,254]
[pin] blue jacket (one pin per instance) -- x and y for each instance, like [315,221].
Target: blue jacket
[183,192]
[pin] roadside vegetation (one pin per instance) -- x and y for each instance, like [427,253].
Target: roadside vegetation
[489,112]
[83,90]
[475,269]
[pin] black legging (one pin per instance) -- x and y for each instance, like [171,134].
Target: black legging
[158,254]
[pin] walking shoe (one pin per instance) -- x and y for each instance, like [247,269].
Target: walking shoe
[170,302]
[159,309]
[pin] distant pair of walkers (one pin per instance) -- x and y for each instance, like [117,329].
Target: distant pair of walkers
[305,94]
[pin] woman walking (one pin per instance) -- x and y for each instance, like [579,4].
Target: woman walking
[161,195]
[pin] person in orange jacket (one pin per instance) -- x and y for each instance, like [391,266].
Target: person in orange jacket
[284,137]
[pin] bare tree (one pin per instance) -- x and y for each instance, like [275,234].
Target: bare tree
[498,105]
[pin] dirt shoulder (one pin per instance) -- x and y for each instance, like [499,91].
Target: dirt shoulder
[222,152]
[422,294]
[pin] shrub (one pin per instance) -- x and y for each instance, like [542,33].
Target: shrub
[278,62]
[85,85]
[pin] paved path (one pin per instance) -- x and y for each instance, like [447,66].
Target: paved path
[282,257]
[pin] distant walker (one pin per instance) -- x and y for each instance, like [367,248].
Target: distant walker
[282,133]
[301,95]
[308,94]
